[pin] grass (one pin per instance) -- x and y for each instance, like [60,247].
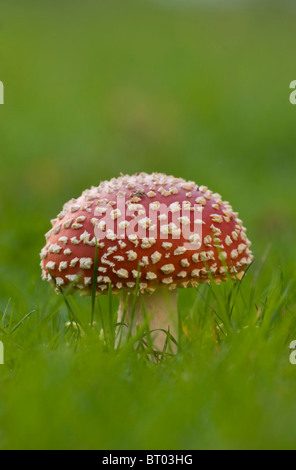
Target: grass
[97,88]
[230,386]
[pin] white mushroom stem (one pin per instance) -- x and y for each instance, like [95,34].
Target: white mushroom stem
[159,310]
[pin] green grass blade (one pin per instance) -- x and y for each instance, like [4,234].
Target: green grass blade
[94,283]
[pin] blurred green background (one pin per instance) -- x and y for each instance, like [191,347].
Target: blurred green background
[96,88]
[199,90]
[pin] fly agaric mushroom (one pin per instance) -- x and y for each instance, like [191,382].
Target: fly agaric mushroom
[163,231]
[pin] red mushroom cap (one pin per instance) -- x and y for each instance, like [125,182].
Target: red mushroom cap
[179,233]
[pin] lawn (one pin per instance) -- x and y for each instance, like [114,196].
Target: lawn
[201,92]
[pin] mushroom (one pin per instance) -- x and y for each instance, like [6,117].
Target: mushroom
[154,232]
